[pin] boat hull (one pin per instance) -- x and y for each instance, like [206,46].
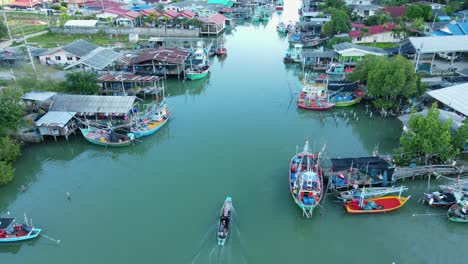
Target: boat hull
[144,133]
[316,107]
[197,75]
[388,203]
[348,103]
[452,215]
[35,232]
[85,133]
[223,228]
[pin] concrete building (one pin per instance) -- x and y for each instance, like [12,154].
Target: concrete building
[67,54]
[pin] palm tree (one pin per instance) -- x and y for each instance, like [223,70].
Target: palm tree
[153,17]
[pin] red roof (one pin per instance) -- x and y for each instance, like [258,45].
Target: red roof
[100,4]
[147,12]
[373,30]
[216,19]
[356,25]
[26,3]
[227,10]
[187,14]
[166,55]
[395,11]
[122,12]
[171,14]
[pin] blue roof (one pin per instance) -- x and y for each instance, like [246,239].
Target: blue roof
[141,7]
[438,33]
[458,29]
[444,18]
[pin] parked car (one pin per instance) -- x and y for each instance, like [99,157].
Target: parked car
[448,56]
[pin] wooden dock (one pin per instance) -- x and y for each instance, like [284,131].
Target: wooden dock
[403,173]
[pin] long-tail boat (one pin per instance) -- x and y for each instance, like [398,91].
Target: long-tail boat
[458,212]
[375,205]
[225,220]
[107,138]
[306,180]
[371,192]
[11,232]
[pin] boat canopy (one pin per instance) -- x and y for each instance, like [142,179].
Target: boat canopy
[5,222]
[343,86]
[364,163]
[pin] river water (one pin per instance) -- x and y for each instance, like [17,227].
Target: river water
[232,135]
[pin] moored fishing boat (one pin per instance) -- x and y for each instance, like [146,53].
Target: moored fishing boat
[306,180]
[338,69]
[294,55]
[314,96]
[442,199]
[342,99]
[199,66]
[458,212]
[225,220]
[221,50]
[371,192]
[103,137]
[375,205]
[152,121]
[279,5]
[11,232]
[281,28]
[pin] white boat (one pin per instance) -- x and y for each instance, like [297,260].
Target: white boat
[371,192]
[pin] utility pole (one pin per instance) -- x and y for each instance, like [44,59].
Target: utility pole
[6,24]
[29,52]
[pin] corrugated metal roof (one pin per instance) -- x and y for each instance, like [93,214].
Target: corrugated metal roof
[455,97]
[56,119]
[98,59]
[81,23]
[347,45]
[38,96]
[457,121]
[440,44]
[92,104]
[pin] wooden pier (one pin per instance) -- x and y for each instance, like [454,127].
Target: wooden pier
[403,173]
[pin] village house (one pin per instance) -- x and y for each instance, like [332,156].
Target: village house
[67,54]
[129,84]
[122,17]
[99,60]
[213,25]
[160,61]
[350,53]
[200,8]
[452,29]
[361,33]
[26,4]
[363,8]
[97,6]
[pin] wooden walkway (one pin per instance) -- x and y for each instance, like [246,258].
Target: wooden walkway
[403,173]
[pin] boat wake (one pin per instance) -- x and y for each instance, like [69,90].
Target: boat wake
[211,253]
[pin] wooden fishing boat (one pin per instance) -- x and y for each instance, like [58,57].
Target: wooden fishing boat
[106,138]
[375,205]
[281,28]
[200,68]
[371,192]
[197,73]
[294,55]
[10,232]
[152,122]
[314,96]
[442,199]
[212,51]
[279,5]
[458,212]
[225,220]
[338,69]
[306,180]
[221,51]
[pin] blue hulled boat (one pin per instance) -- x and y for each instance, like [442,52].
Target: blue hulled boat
[11,232]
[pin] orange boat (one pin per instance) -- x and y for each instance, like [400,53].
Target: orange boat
[375,205]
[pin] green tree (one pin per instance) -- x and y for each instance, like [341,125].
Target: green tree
[7,173]
[460,137]
[338,4]
[427,138]
[419,11]
[11,110]
[418,23]
[378,18]
[340,23]
[9,151]
[465,5]
[361,72]
[3,30]
[82,83]
[160,8]
[337,40]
